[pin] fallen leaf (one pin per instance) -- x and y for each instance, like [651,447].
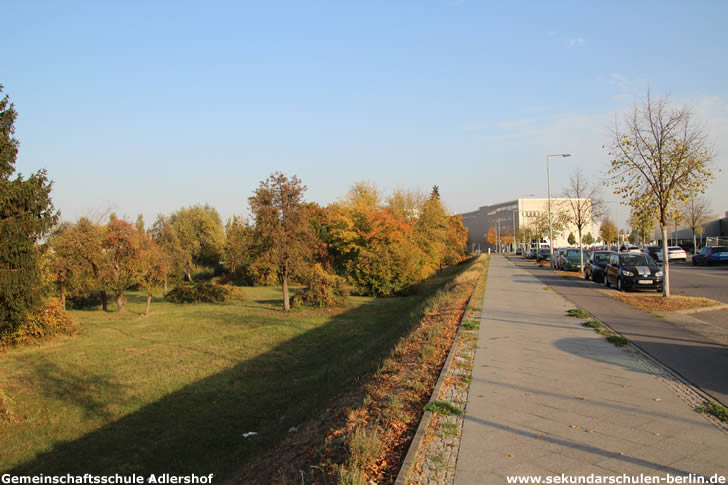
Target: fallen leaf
[581,398]
[508,455]
[575,426]
[620,453]
[481,395]
[588,430]
[658,399]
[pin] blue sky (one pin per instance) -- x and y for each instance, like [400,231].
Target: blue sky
[145,107]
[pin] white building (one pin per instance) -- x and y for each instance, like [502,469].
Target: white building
[513,216]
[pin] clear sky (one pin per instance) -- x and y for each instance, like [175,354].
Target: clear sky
[145,107]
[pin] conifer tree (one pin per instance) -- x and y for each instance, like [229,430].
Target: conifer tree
[26,213]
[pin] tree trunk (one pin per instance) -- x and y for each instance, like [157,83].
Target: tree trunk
[695,243]
[120,302]
[581,253]
[189,276]
[165,285]
[286,303]
[62,296]
[149,304]
[665,263]
[104,301]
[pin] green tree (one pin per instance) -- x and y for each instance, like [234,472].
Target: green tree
[152,267]
[660,158]
[281,229]
[26,214]
[571,239]
[201,236]
[588,239]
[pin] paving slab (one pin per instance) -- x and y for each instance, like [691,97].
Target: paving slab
[551,397]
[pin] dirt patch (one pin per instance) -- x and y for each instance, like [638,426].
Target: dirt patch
[571,274]
[657,303]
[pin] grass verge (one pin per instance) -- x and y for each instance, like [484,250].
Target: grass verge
[443,407]
[715,409]
[657,303]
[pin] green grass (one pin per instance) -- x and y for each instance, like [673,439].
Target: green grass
[176,390]
[618,340]
[579,313]
[443,407]
[593,324]
[715,409]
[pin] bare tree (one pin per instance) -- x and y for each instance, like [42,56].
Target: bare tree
[583,206]
[695,211]
[660,157]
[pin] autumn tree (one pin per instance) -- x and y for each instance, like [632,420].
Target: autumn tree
[281,227]
[122,250]
[608,231]
[77,260]
[175,259]
[238,243]
[201,236]
[588,239]
[26,214]
[642,221]
[695,210]
[152,267]
[660,158]
[583,206]
[571,239]
[492,237]
[457,239]
[431,230]
[405,204]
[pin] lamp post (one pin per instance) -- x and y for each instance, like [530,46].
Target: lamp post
[548,176]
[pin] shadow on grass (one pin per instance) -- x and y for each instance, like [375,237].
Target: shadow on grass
[199,428]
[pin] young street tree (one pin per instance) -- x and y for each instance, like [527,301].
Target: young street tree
[642,221]
[660,158]
[26,213]
[281,228]
[583,206]
[695,211]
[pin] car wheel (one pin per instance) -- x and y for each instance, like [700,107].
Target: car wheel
[694,263]
[606,281]
[586,276]
[619,284]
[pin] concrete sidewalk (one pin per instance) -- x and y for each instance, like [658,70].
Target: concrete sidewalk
[551,397]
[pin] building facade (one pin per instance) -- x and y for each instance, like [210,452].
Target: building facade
[509,218]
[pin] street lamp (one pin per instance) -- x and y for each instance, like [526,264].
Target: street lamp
[548,176]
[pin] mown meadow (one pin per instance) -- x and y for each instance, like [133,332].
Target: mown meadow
[176,391]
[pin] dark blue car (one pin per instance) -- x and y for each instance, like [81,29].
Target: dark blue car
[710,255]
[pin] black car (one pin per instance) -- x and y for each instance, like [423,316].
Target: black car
[652,251]
[710,255]
[633,271]
[594,268]
[543,254]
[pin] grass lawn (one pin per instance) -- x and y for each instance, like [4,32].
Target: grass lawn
[175,391]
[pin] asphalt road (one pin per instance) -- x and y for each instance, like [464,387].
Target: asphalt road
[698,359]
[706,281]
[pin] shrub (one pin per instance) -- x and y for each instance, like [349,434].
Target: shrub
[50,319]
[88,300]
[322,289]
[203,293]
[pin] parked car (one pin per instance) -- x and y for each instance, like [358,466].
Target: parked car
[519,251]
[569,259]
[632,271]
[594,269]
[674,253]
[629,249]
[557,257]
[543,254]
[652,251]
[710,255]
[531,253]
